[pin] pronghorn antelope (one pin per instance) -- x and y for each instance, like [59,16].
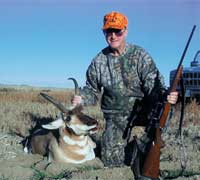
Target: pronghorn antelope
[70,143]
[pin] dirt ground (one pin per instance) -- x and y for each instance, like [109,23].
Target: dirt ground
[17,165]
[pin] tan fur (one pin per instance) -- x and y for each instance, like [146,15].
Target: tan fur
[59,150]
[40,143]
[73,144]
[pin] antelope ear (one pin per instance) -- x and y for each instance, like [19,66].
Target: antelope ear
[54,124]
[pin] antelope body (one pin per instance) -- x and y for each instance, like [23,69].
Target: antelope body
[67,138]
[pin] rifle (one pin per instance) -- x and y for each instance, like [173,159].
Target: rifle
[152,161]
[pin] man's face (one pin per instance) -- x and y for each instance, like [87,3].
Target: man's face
[115,37]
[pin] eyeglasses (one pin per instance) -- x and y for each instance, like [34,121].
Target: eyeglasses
[117,32]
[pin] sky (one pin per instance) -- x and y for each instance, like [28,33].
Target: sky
[44,42]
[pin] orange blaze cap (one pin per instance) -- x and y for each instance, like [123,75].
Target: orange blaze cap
[115,20]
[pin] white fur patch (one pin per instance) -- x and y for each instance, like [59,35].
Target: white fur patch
[87,150]
[83,151]
[90,154]
[25,149]
[61,156]
[87,158]
[70,141]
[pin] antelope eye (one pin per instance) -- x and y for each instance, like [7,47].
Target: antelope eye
[67,118]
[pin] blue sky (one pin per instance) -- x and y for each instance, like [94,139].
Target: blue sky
[43,42]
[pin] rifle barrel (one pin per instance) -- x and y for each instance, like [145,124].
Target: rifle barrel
[181,60]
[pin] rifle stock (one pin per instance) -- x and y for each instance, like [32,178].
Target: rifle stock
[152,161]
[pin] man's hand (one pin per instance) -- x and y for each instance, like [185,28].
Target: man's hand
[76,100]
[172,97]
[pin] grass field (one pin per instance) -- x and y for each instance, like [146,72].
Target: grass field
[21,108]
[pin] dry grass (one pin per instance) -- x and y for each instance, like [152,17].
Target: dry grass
[191,114]
[20,109]
[33,96]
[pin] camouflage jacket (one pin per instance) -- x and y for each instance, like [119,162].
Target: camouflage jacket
[120,80]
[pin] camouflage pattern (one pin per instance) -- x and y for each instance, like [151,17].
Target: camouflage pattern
[115,148]
[112,148]
[121,81]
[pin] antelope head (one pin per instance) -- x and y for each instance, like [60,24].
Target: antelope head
[73,119]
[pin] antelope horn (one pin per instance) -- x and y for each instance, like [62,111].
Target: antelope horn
[76,86]
[54,102]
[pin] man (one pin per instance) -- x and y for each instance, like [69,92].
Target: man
[126,76]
